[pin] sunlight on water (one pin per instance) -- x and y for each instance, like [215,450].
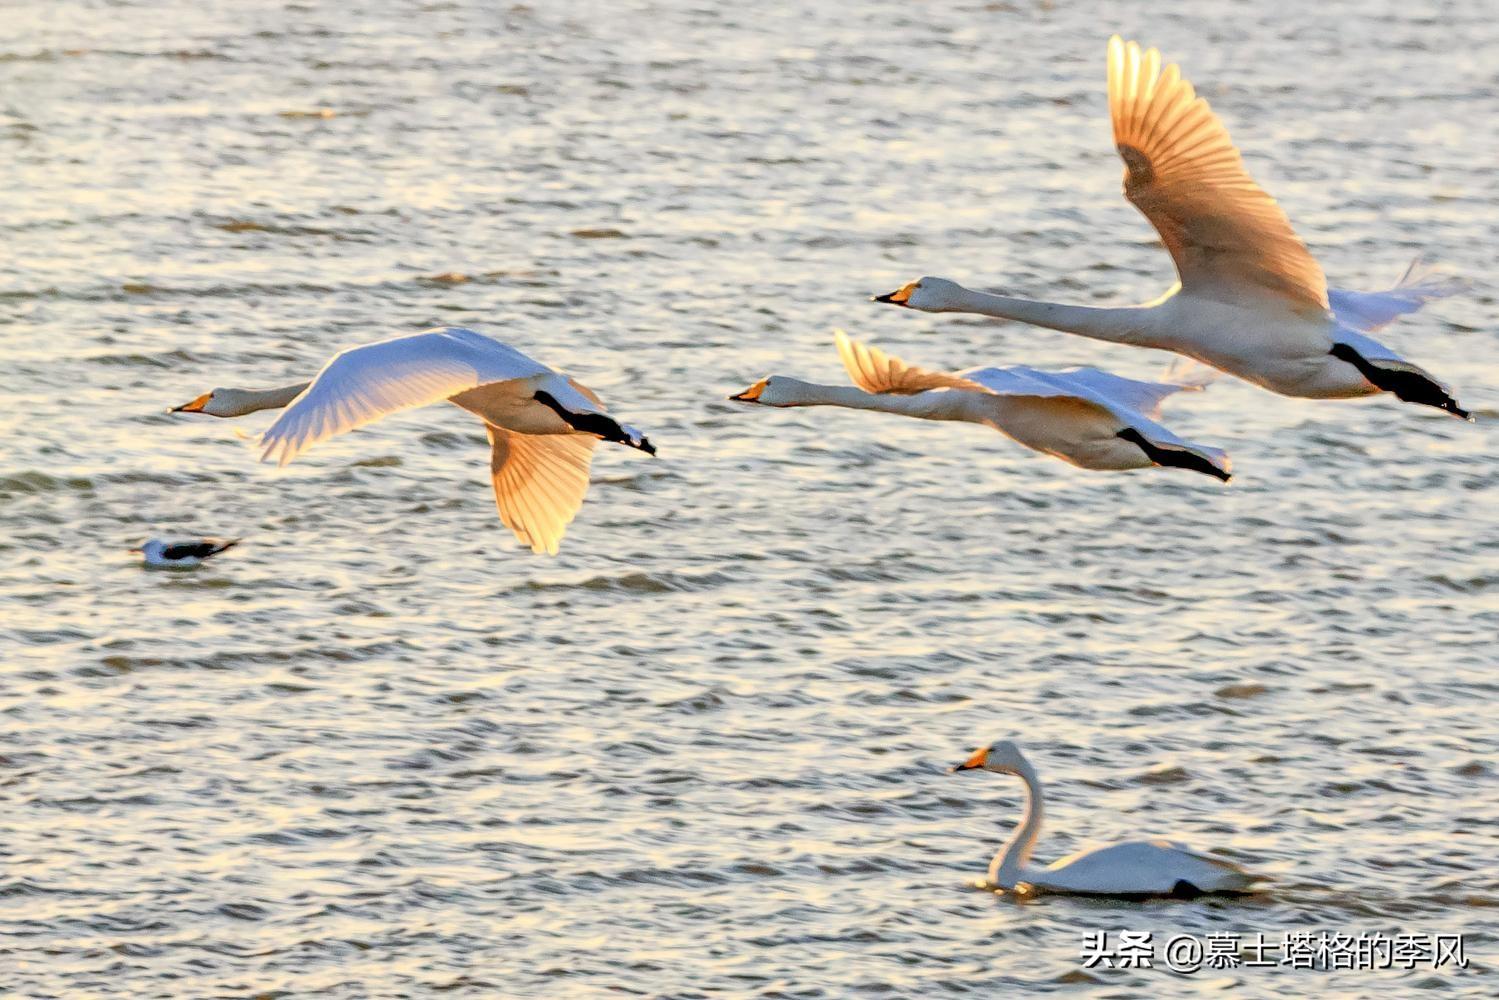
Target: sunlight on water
[380,750]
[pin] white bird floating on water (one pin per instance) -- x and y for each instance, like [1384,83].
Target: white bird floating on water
[1084,416]
[182,553]
[1251,299]
[1136,868]
[542,425]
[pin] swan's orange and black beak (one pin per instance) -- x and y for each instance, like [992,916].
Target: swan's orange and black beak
[752,394]
[900,297]
[979,759]
[196,406]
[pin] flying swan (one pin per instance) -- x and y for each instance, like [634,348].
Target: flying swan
[1135,868]
[182,554]
[1088,417]
[1251,299]
[542,425]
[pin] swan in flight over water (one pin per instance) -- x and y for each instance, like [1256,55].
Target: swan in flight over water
[1251,299]
[182,554]
[1136,868]
[542,425]
[1088,417]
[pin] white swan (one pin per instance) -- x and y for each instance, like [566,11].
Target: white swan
[542,425]
[1088,417]
[182,554]
[1251,299]
[1135,868]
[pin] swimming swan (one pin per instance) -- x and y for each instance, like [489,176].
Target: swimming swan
[1088,417]
[1251,299]
[542,425]
[1135,868]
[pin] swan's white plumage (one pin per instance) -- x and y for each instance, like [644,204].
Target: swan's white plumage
[1251,299]
[1085,417]
[1368,311]
[1132,868]
[539,483]
[1118,394]
[363,384]
[1185,174]
[1138,867]
[542,425]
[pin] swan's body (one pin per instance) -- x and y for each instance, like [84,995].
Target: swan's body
[1084,416]
[182,553]
[542,425]
[1251,299]
[1134,868]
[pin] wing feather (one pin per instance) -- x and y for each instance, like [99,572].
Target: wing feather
[872,370]
[1183,172]
[363,384]
[539,483]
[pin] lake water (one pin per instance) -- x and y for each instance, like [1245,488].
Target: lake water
[381,751]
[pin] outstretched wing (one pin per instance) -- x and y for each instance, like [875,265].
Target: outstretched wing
[539,483]
[1108,388]
[1184,173]
[872,370]
[363,384]
[1368,311]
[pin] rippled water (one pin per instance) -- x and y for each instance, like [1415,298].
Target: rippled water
[379,750]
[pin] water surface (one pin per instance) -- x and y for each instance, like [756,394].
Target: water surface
[379,750]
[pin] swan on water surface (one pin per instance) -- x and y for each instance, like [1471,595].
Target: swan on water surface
[182,553]
[542,425]
[1090,418]
[1135,868]
[1251,300]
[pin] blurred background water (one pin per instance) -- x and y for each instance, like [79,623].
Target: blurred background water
[380,750]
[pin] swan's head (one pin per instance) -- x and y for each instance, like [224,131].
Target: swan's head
[926,294]
[1003,757]
[773,390]
[216,403]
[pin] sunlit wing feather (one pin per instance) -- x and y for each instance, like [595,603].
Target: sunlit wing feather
[539,483]
[1184,173]
[872,370]
[363,384]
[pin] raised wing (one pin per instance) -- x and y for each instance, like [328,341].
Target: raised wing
[539,483]
[872,370]
[1368,311]
[1184,173]
[363,384]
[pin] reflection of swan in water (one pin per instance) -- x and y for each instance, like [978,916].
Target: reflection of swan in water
[1135,868]
[1251,300]
[542,425]
[1084,416]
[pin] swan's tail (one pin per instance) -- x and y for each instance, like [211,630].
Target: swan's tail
[1421,283]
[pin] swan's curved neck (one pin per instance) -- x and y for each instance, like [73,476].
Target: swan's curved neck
[1012,858]
[924,405]
[255,400]
[1117,324]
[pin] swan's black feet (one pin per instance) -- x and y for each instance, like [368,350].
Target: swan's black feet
[1409,383]
[1174,458]
[599,424]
